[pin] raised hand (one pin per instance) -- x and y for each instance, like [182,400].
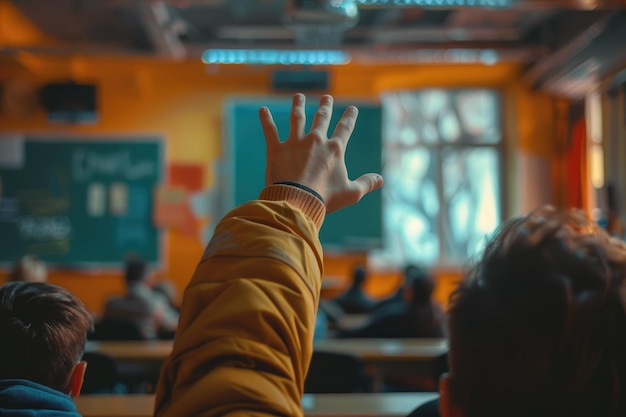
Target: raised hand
[313,159]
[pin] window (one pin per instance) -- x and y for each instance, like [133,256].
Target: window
[442,168]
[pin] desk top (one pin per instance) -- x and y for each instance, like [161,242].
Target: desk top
[152,350]
[370,350]
[386,350]
[314,405]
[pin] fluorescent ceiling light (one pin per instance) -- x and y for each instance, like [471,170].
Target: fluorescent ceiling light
[440,3]
[275,57]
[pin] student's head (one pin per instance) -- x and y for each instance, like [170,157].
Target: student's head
[418,285]
[29,269]
[538,328]
[44,329]
[359,274]
[136,271]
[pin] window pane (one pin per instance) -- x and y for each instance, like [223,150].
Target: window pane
[480,118]
[441,194]
[411,205]
[434,116]
[471,197]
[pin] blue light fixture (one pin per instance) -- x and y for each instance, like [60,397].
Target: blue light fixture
[440,3]
[275,57]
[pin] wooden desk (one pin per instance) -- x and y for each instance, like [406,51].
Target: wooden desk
[370,350]
[383,357]
[139,351]
[388,358]
[314,405]
[387,350]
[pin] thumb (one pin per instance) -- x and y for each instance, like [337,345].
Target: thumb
[367,183]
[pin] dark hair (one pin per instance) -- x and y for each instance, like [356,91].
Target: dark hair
[359,274]
[539,325]
[136,270]
[44,329]
[423,287]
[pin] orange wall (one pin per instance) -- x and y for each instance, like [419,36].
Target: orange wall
[183,102]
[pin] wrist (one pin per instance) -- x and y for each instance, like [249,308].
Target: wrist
[302,187]
[299,196]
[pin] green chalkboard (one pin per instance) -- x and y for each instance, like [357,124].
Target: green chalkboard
[357,227]
[79,202]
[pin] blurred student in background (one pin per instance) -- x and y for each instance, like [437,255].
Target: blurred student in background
[354,300]
[29,269]
[141,306]
[167,289]
[418,315]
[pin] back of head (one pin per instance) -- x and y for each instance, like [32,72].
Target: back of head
[136,270]
[29,269]
[420,284]
[539,325]
[359,274]
[44,329]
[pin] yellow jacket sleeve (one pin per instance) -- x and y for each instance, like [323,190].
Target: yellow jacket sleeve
[244,340]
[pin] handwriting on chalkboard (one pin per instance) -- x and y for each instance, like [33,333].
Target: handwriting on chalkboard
[44,228]
[87,163]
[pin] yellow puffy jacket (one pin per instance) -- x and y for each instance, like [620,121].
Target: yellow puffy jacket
[245,335]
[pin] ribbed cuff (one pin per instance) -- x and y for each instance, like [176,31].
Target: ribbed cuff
[303,187]
[305,201]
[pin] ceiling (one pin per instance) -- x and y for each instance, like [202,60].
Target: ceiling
[376,31]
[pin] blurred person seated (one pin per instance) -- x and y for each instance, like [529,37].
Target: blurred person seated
[141,306]
[354,300]
[400,295]
[538,327]
[418,315]
[167,289]
[29,269]
[44,330]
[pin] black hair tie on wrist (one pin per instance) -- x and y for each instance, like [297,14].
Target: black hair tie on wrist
[302,187]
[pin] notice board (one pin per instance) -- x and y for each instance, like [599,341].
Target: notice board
[79,202]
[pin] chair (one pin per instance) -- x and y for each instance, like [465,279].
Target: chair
[439,367]
[334,373]
[101,376]
[116,329]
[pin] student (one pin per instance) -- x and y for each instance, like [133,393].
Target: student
[538,328]
[418,315]
[141,306]
[354,300]
[246,329]
[29,269]
[44,329]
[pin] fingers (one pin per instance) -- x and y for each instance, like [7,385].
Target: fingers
[345,127]
[269,127]
[367,183]
[298,117]
[322,116]
[354,192]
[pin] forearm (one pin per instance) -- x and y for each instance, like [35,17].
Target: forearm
[245,335]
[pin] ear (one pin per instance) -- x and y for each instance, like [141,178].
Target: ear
[446,407]
[77,378]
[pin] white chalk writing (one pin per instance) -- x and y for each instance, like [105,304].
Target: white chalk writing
[44,228]
[86,164]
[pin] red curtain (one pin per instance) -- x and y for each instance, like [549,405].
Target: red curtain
[576,180]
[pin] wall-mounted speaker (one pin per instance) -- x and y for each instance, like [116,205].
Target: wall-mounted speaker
[299,81]
[70,102]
